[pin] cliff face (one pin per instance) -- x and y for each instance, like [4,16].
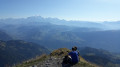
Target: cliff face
[54,60]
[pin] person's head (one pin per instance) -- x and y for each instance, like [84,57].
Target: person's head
[73,49]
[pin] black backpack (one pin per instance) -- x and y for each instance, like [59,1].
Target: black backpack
[67,60]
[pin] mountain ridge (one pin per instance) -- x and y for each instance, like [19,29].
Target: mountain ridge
[106,25]
[16,51]
[55,60]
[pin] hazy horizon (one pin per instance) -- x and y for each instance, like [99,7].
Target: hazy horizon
[83,10]
[57,18]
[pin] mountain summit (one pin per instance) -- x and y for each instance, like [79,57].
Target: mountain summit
[54,60]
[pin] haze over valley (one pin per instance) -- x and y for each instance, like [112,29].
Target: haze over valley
[54,33]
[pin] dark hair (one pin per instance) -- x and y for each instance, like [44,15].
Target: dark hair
[75,47]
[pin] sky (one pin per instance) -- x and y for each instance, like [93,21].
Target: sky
[84,10]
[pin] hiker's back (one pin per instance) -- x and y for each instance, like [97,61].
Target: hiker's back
[74,56]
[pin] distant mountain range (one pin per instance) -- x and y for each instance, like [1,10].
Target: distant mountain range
[54,33]
[106,25]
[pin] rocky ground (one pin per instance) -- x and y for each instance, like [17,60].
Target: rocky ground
[51,62]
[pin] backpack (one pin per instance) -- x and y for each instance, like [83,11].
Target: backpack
[67,59]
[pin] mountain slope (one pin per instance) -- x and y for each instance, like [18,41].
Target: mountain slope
[16,51]
[108,40]
[4,36]
[54,60]
[51,36]
[100,57]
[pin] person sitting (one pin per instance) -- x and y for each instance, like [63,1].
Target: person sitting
[74,56]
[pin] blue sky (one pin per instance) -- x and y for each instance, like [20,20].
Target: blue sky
[85,10]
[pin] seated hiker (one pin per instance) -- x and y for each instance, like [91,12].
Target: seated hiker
[74,55]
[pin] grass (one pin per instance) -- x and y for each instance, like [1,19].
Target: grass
[32,62]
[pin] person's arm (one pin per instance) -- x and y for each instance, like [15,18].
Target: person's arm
[78,53]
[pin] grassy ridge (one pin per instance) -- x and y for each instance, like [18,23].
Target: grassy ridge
[59,53]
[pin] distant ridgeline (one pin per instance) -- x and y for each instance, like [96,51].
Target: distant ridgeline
[17,51]
[55,33]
